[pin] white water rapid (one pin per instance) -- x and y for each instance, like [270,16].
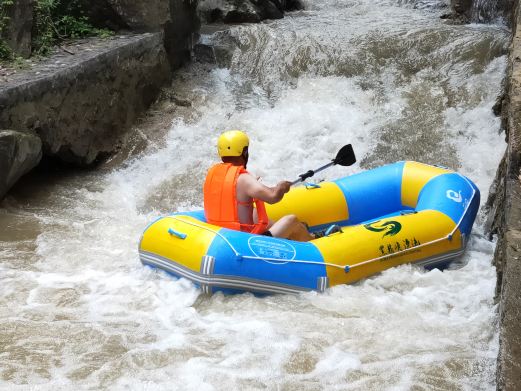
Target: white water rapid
[79,311]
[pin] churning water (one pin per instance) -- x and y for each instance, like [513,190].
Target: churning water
[79,311]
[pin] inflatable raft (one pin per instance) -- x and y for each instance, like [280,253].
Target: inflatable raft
[405,212]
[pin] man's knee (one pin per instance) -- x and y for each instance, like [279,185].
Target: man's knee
[291,219]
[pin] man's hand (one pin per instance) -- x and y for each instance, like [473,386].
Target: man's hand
[284,186]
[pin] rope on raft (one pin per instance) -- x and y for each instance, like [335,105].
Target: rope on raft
[346,268]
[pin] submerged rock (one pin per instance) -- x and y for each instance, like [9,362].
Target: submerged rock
[19,153]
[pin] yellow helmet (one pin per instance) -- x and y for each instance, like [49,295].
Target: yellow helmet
[232,143]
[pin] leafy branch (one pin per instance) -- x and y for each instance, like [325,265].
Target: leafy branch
[5,51]
[59,20]
[54,21]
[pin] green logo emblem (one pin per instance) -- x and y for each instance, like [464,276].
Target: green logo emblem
[391,228]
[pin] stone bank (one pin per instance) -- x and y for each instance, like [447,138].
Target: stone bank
[505,221]
[80,101]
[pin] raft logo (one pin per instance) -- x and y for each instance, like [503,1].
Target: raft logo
[271,248]
[452,195]
[391,227]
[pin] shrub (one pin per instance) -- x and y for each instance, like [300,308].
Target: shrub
[58,20]
[6,53]
[54,22]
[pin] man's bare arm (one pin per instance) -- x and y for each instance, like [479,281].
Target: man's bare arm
[255,189]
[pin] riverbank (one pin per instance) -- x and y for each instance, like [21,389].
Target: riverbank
[506,217]
[76,105]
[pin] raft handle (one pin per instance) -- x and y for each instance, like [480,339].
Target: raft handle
[311,186]
[178,234]
[333,229]
[408,212]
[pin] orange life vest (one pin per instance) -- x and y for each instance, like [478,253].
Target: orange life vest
[220,200]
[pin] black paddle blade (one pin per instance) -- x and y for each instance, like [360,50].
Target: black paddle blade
[346,156]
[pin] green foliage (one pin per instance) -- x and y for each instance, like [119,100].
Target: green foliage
[59,20]
[5,51]
[54,22]
[6,54]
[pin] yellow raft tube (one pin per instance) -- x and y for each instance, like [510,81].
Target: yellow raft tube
[406,212]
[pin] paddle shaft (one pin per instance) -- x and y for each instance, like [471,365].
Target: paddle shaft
[310,173]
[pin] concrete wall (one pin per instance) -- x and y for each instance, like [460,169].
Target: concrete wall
[80,104]
[75,105]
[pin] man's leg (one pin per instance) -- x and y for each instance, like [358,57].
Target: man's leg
[290,227]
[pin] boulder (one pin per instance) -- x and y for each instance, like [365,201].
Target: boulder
[180,31]
[293,5]
[219,48]
[127,14]
[240,11]
[102,15]
[468,11]
[19,153]
[489,11]
[461,6]
[142,15]
[177,19]
[19,27]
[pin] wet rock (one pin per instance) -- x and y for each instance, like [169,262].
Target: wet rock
[293,5]
[220,53]
[460,12]
[241,11]
[177,19]
[19,27]
[81,104]
[505,205]
[19,153]
[180,31]
[461,6]
[136,15]
[142,15]
[473,11]
[204,53]
[487,11]
[170,95]
[102,14]
[216,45]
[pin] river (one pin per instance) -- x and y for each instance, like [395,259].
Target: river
[79,311]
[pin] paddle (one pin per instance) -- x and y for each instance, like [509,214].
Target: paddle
[344,157]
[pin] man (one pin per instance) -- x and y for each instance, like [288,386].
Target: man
[230,193]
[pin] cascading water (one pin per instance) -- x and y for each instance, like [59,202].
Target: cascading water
[486,11]
[77,309]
